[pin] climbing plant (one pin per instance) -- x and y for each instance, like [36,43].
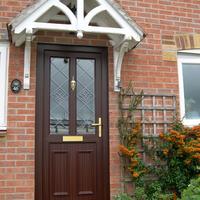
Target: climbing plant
[130,132]
[175,155]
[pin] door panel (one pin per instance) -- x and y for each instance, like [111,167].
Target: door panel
[71,94]
[85,171]
[59,173]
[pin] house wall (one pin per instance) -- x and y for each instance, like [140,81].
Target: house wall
[170,25]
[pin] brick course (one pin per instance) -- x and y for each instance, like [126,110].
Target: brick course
[170,25]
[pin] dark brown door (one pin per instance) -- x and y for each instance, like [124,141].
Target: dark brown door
[71,123]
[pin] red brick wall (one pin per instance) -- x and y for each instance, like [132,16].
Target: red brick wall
[17,148]
[161,20]
[148,66]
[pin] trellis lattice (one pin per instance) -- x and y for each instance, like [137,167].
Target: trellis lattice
[156,113]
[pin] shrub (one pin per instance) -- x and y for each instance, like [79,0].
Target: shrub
[171,160]
[151,191]
[180,150]
[122,196]
[192,192]
[140,193]
[177,161]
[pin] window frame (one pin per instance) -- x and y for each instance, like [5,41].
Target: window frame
[4,58]
[186,57]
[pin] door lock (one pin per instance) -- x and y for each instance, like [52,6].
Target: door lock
[99,124]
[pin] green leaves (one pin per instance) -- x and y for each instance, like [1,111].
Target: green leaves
[192,192]
[171,159]
[122,196]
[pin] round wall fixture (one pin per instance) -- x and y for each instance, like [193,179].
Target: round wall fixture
[16,86]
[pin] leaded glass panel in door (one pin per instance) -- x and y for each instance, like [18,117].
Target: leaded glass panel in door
[59,95]
[85,70]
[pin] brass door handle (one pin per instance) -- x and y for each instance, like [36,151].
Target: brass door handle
[99,124]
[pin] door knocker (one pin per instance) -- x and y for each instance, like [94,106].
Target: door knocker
[73,84]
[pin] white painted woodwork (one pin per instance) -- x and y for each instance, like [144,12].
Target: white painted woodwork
[42,10]
[96,29]
[93,13]
[52,26]
[118,54]
[189,57]
[39,18]
[4,57]
[27,62]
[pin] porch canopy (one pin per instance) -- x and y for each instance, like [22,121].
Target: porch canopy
[78,16]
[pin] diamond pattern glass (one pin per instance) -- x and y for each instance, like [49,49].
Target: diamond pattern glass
[85,96]
[59,95]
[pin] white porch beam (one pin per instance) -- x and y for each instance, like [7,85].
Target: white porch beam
[80,18]
[68,28]
[80,13]
[107,30]
[27,62]
[52,26]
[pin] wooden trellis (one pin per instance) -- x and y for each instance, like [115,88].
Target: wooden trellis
[156,113]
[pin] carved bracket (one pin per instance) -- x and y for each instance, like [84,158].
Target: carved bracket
[118,59]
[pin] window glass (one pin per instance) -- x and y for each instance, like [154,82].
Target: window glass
[191,83]
[189,86]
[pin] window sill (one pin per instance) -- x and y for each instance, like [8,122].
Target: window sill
[191,122]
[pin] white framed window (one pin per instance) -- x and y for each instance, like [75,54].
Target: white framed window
[4,49]
[189,86]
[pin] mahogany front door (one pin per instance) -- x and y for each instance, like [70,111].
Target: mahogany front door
[71,123]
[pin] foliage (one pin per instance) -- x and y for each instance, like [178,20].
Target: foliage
[180,149]
[192,192]
[140,194]
[175,154]
[130,133]
[152,191]
[122,196]
[126,124]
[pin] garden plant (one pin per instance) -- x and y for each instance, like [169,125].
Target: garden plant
[175,156]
